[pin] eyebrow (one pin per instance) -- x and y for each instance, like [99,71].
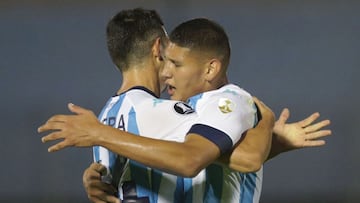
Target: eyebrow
[170,59]
[174,61]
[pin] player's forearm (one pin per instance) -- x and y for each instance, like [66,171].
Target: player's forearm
[252,151]
[172,157]
[276,148]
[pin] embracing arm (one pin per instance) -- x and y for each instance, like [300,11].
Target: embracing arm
[84,130]
[250,153]
[181,158]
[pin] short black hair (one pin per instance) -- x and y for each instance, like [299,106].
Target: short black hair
[131,34]
[203,35]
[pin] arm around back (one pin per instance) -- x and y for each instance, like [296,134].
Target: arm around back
[251,152]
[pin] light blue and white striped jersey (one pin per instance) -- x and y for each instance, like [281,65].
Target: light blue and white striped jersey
[231,110]
[140,112]
[222,116]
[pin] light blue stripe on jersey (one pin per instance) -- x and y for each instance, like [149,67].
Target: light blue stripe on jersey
[96,152]
[179,190]
[248,188]
[193,100]
[139,173]
[113,112]
[214,184]
[188,187]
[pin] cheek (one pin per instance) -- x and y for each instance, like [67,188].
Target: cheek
[189,81]
[192,85]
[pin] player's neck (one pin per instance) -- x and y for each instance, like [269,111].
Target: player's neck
[216,84]
[140,76]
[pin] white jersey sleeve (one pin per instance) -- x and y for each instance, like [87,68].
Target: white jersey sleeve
[224,115]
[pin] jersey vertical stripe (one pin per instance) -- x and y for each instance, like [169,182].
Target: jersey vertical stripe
[109,116]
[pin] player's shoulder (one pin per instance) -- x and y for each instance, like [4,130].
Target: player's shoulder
[172,106]
[231,91]
[231,95]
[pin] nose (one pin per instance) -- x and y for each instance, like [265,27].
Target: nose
[166,70]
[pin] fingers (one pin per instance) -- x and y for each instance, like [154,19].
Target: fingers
[52,136]
[259,103]
[104,198]
[50,125]
[307,121]
[78,109]
[314,143]
[317,134]
[262,106]
[59,146]
[96,200]
[99,168]
[97,190]
[317,126]
[284,116]
[55,123]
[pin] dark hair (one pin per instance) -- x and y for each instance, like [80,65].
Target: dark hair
[131,34]
[203,35]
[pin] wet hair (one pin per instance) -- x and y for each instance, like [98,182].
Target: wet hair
[131,35]
[203,35]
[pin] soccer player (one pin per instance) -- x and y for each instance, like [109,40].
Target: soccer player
[203,147]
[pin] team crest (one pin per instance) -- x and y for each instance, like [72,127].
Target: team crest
[183,108]
[226,105]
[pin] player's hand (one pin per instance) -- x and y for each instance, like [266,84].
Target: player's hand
[98,191]
[74,130]
[266,113]
[304,133]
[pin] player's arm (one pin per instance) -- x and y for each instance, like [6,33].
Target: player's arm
[297,135]
[251,152]
[84,130]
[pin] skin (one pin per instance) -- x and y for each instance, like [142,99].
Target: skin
[188,72]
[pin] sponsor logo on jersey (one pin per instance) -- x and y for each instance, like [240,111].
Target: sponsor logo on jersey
[183,108]
[226,105]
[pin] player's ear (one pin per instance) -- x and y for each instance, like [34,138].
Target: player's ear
[156,50]
[213,69]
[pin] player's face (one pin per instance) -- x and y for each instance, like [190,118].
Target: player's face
[162,79]
[184,72]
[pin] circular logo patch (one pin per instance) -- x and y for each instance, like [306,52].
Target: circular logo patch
[183,108]
[226,105]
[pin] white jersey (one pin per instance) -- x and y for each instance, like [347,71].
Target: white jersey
[231,110]
[222,116]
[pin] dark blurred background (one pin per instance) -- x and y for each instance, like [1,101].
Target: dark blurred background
[303,55]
